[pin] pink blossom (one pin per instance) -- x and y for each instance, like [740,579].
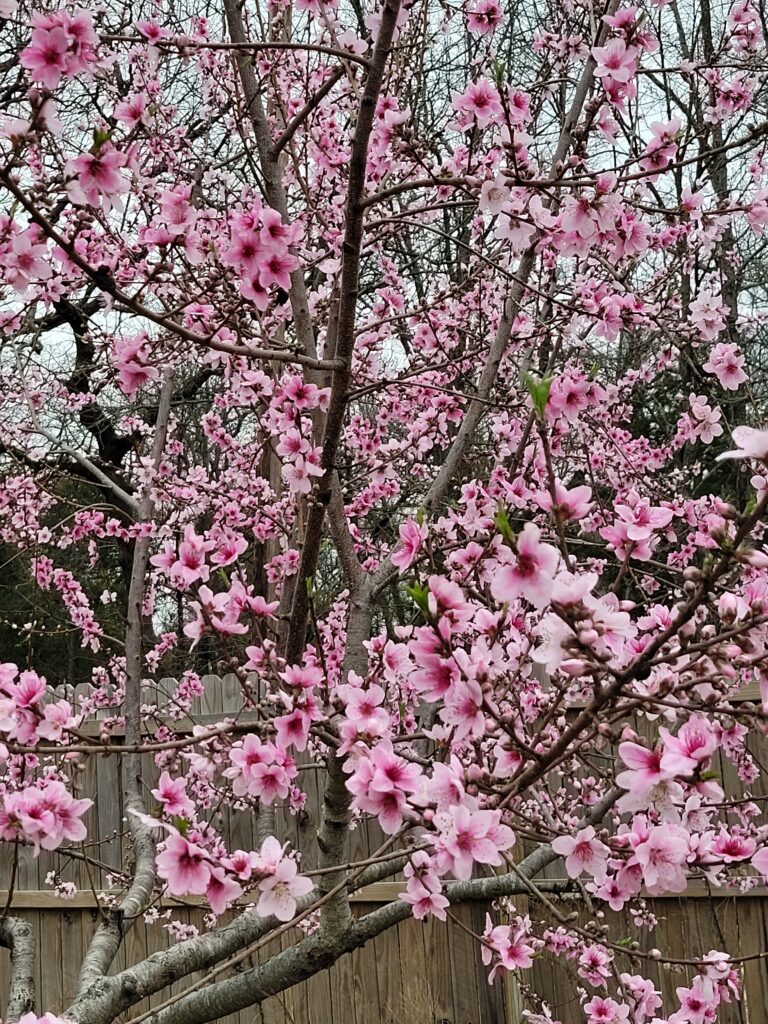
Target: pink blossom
[412,537]
[615,60]
[506,947]
[691,748]
[569,504]
[662,854]
[281,890]
[480,101]
[601,1010]
[185,867]
[532,572]
[472,837]
[484,17]
[661,150]
[583,853]
[726,362]
[172,794]
[222,890]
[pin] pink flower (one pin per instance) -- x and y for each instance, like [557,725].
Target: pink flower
[190,565]
[222,890]
[707,314]
[484,17]
[424,901]
[412,537]
[494,195]
[570,504]
[690,749]
[583,853]
[184,867]
[472,837]
[57,719]
[132,110]
[172,794]
[726,362]
[661,150]
[96,176]
[131,357]
[381,784]
[46,57]
[480,101]
[43,815]
[606,1011]
[281,891]
[506,945]
[644,767]
[531,575]
[662,855]
[615,61]
[705,420]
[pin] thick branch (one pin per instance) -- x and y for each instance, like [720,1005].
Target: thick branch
[270,169]
[108,936]
[342,332]
[16,935]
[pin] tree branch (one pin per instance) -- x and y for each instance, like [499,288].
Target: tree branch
[106,941]
[16,935]
[341,339]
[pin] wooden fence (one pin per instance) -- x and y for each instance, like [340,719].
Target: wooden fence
[416,974]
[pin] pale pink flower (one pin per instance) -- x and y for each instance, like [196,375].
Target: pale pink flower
[662,855]
[172,794]
[484,17]
[752,444]
[569,504]
[185,867]
[531,574]
[479,101]
[472,837]
[281,891]
[222,890]
[692,747]
[726,361]
[615,60]
[583,852]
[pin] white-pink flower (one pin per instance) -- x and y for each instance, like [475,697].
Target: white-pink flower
[281,891]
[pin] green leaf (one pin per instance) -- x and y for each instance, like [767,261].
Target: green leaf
[181,824]
[538,389]
[501,521]
[100,137]
[420,596]
[708,776]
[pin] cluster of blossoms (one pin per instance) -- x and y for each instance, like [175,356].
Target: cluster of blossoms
[43,815]
[63,44]
[188,867]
